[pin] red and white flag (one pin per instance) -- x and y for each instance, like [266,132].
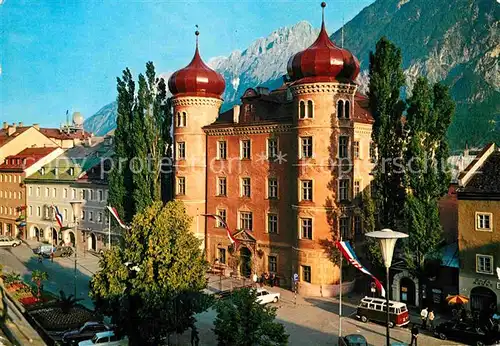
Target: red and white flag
[113,212]
[224,224]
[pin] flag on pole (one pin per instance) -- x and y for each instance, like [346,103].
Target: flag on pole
[113,212]
[59,217]
[348,252]
[223,223]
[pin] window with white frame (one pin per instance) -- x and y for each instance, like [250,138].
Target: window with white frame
[484,264]
[30,191]
[306,147]
[38,192]
[31,210]
[91,216]
[246,220]
[181,186]
[65,215]
[356,149]
[483,221]
[101,195]
[222,186]
[99,217]
[340,109]
[272,262]
[91,195]
[306,190]
[65,193]
[344,189]
[47,192]
[223,215]
[272,148]
[272,188]
[42,171]
[222,150]
[310,109]
[245,149]
[54,192]
[71,171]
[343,147]
[357,188]
[181,151]
[73,193]
[272,223]
[84,214]
[181,119]
[245,187]
[306,228]
[38,211]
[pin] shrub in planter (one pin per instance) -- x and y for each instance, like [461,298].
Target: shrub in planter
[27,301]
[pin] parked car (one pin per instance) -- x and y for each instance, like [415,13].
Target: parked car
[87,331]
[9,241]
[58,251]
[467,333]
[105,338]
[375,309]
[353,340]
[42,249]
[265,297]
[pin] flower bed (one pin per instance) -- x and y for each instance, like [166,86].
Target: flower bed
[26,295]
[54,319]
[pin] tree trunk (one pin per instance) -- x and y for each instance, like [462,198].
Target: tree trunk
[38,284]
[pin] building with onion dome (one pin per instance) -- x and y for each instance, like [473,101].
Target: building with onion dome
[284,168]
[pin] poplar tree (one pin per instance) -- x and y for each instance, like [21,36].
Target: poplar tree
[386,81]
[142,142]
[426,178]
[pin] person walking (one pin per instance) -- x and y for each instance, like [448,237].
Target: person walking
[414,335]
[431,317]
[255,278]
[423,316]
[195,339]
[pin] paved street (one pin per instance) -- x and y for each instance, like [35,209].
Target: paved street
[311,321]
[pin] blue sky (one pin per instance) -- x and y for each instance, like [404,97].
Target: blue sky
[66,55]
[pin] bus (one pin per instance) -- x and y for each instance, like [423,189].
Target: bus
[374,309]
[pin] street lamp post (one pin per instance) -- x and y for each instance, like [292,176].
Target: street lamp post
[387,239]
[77,209]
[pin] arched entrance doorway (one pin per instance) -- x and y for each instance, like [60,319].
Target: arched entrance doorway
[482,299]
[246,262]
[54,236]
[72,238]
[407,291]
[92,241]
[35,233]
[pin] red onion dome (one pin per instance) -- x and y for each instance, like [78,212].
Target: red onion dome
[323,60]
[197,79]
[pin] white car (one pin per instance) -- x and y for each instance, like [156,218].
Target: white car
[265,297]
[9,241]
[105,338]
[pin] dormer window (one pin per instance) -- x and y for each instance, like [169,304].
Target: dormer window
[71,171]
[56,171]
[42,171]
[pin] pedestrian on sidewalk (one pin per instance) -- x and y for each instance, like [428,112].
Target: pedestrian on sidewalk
[195,339]
[40,258]
[414,335]
[423,316]
[431,317]
[255,278]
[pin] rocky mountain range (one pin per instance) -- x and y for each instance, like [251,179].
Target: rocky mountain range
[454,41]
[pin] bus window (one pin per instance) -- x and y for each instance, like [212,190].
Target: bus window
[371,306]
[391,310]
[378,307]
[403,309]
[364,305]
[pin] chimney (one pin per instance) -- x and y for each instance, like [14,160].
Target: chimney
[5,125]
[466,150]
[236,114]
[21,124]
[11,130]
[36,126]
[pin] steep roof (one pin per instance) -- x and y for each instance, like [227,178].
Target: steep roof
[25,158]
[4,134]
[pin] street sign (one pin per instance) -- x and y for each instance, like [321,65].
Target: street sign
[295,277]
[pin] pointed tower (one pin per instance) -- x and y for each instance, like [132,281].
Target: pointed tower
[197,91]
[322,84]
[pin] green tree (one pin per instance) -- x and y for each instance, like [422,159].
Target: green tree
[386,81]
[152,286]
[142,141]
[427,176]
[37,276]
[369,223]
[66,303]
[242,321]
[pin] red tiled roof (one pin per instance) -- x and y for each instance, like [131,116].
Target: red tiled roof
[58,134]
[4,134]
[26,158]
[362,113]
